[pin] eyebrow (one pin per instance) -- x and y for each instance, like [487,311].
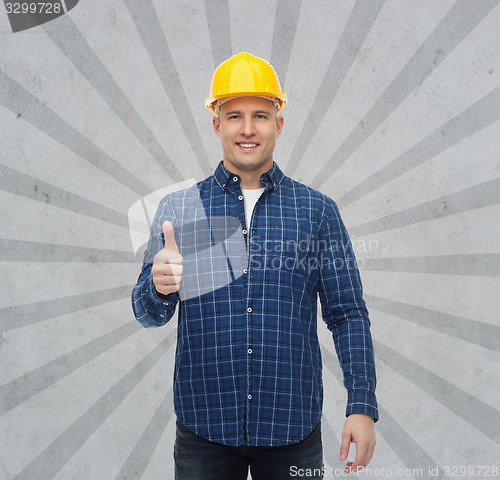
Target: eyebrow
[267,112]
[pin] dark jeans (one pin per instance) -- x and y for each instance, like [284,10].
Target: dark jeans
[198,458]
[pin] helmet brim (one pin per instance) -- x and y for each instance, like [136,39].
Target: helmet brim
[210,102]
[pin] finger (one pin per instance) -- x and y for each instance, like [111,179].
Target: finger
[344,446]
[162,267]
[369,453]
[167,289]
[165,256]
[351,468]
[169,280]
[173,256]
[360,459]
[170,269]
[168,232]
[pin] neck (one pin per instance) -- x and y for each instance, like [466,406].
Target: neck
[250,182]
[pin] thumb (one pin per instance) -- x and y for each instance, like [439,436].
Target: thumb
[168,232]
[344,446]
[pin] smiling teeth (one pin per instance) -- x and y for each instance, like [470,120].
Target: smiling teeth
[248,145]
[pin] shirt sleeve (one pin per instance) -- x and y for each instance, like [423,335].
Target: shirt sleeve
[345,313]
[150,308]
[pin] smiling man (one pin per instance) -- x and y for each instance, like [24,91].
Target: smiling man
[248,390]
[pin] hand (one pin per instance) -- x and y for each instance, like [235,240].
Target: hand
[167,264]
[359,429]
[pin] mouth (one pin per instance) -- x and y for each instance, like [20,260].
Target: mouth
[247,146]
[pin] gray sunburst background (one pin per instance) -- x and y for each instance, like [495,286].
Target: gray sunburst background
[394,112]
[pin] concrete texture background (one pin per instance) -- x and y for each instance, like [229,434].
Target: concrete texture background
[394,112]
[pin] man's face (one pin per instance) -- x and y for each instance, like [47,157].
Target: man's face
[248,128]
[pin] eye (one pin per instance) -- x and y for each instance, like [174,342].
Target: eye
[233,117]
[261,116]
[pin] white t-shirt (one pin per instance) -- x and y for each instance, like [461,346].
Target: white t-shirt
[250,198]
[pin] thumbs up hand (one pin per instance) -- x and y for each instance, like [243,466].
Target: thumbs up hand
[167,264]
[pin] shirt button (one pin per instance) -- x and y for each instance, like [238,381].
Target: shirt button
[244,232]
[235,179]
[249,351]
[240,197]
[161,315]
[245,271]
[249,397]
[249,309]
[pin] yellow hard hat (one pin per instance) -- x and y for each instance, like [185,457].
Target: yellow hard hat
[245,75]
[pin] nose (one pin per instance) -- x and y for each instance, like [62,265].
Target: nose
[248,127]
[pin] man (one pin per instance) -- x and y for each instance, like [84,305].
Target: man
[248,374]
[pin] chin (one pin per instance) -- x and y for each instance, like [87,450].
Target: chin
[247,165]
[253,163]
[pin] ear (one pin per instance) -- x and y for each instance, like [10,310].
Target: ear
[216,125]
[279,125]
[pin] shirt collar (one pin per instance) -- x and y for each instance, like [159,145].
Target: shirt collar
[270,179]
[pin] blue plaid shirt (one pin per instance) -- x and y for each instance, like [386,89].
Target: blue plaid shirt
[248,368]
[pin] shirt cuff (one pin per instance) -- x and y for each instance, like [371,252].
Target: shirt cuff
[362,401]
[167,300]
